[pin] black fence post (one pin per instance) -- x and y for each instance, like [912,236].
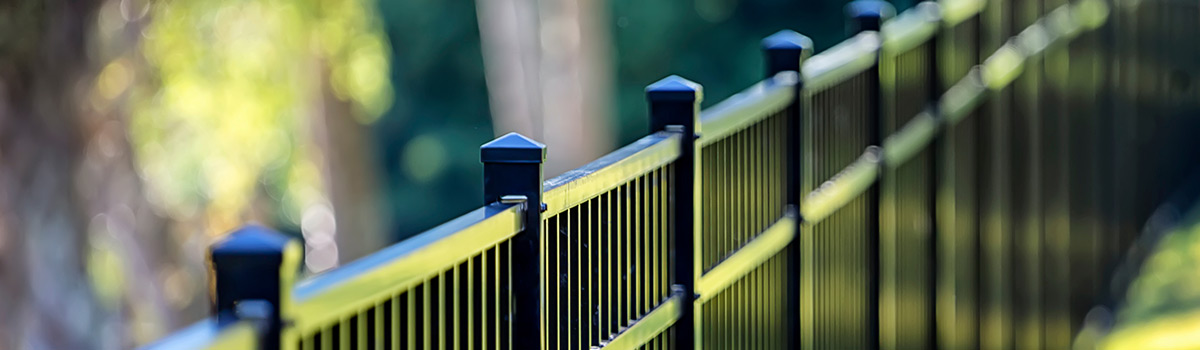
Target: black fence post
[868,16]
[938,172]
[512,168]
[786,51]
[675,105]
[254,269]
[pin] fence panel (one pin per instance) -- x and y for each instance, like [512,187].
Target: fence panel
[957,185]
[1027,152]
[458,307]
[1152,92]
[609,259]
[995,182]
[906,237]
[838,262]
[1162,89]
[609,242]
[440,288]
[744,156]
[1055,182]
[1086,229]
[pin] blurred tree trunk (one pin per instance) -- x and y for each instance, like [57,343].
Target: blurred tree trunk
[81,250]
[549,75]
[349,167]
[86,261]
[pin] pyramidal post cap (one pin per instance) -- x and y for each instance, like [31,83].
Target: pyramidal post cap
[870,9]
[251,240]
[512,148]
[787,40]
[674,88]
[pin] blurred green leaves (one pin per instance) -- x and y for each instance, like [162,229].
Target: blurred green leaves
[234,87]
[1162,306]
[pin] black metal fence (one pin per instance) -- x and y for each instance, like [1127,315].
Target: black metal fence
[960,176]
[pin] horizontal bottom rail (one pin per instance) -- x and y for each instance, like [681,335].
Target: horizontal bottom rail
[746,259]
[646,328]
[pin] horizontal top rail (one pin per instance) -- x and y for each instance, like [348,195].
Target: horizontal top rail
[1002,67]
[209,335]
[576,186]
[958,11]
[911,28]
[747,107]
[840,62]
[326,297]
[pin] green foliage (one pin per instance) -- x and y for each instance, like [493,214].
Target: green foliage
[236,84]
[428,142]
[1161,309]
[712,42]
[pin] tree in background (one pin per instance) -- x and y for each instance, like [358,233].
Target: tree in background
[549,75]
[266,102]
[132,133]
[54,147]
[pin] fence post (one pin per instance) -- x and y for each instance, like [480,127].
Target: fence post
[254,269]
[675,105]
[512,166]
[786,51]
[868,16]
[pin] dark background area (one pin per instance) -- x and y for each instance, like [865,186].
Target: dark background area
[438,77]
